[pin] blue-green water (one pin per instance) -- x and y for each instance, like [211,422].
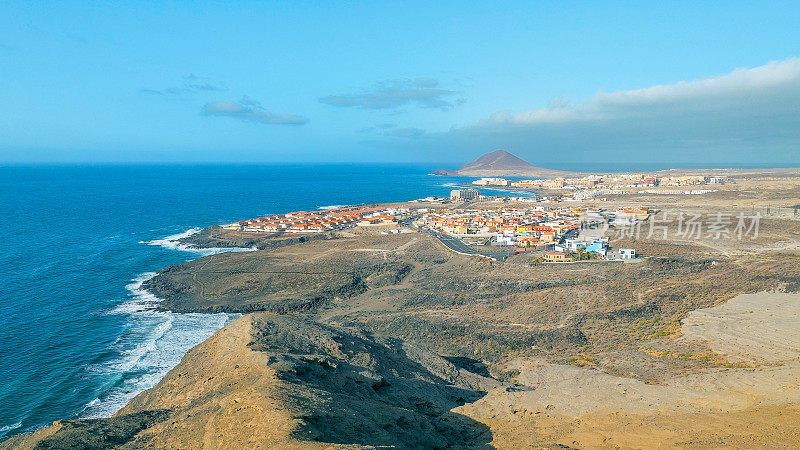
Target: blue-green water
[76,336]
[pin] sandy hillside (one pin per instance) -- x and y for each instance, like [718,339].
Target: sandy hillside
[741,407]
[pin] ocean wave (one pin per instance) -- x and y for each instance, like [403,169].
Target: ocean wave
[332,207]
[173,243]
[154,344]
[6,428]
[155,341]
[140,299]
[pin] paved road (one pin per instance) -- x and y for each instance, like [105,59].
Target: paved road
[458,246]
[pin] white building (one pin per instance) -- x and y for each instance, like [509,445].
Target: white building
[627,253]
[504,239]
[574,244]
[492,182]
[464,194]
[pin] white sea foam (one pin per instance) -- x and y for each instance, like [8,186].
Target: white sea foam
[145,357]
[141,299]
[6,428]
[151,347]
[173,242]
[156,340]
[332,207]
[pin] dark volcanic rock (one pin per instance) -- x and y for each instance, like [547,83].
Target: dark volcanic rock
[217,237]
[101,433]
[261,281]
[350,388]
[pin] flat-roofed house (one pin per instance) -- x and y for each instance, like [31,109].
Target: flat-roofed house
[556,257]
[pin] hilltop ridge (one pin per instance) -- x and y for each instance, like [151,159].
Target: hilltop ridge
[502,163]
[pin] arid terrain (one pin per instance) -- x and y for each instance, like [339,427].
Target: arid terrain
[355,338]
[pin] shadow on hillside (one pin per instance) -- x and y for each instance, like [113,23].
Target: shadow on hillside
[348,388]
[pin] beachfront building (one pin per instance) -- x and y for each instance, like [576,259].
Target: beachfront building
[492,182]
[574,245]
[527,183]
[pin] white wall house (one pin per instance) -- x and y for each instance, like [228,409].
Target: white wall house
[505,240]
[574,244]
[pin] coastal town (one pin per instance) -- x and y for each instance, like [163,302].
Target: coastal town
[556,233]
[597,186]
[608,181]
[317,221]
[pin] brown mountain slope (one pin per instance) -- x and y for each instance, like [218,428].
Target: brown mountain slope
[503,164]
[272,381]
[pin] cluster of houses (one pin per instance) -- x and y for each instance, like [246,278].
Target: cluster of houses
[318,221]
[535,228]
[492,182]
[554,229]
[608,181]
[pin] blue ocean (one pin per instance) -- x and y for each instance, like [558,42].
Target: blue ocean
[77,335]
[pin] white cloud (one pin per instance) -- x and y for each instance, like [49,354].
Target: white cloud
[424,92]
[191,84]
[404,132]
[250,110]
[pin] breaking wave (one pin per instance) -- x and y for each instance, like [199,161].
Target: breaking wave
[154,341]
[173,242]
[153,344]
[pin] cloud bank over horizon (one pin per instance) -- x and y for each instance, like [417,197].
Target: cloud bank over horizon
[748,112]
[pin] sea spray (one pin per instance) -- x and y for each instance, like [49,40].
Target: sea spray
[156,340]
[173,242]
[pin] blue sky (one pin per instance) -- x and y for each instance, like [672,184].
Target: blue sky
[553,82]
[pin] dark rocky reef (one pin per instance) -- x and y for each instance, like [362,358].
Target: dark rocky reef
[262,281]
[217,237]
